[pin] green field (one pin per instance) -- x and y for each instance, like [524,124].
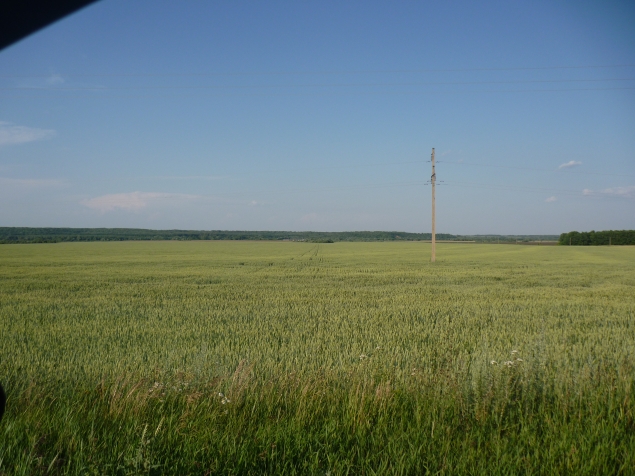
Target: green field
[299,358]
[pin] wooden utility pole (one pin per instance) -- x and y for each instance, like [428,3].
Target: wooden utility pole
[433,180]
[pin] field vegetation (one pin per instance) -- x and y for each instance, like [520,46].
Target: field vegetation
[303,358]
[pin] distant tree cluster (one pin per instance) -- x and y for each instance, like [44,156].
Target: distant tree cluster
[597,238]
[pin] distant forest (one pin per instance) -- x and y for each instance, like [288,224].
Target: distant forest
[597,238]
[57,235]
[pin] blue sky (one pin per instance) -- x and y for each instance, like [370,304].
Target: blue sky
[322,116]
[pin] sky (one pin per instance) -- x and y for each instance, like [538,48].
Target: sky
[321,115]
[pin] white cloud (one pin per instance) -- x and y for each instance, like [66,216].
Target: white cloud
[134,201]
[551,199]
[10,134]
[623,192]
[571,163]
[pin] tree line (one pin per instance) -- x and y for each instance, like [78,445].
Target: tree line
[597,238]
[57,235]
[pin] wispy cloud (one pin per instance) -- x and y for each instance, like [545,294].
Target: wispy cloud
[309,218]
[30,183]
[134,201]
[11,134]
[568,165]
[551,199]
[186,177]
[55,79]
[622,192]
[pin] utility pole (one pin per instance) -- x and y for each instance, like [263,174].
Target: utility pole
[433,180]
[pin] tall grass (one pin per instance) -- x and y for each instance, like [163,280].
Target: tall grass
[295,358]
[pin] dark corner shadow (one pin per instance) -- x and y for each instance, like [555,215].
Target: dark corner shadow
[20,18]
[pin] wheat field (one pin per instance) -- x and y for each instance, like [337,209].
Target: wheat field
[303,358]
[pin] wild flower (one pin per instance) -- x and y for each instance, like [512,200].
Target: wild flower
[363,356]
[493,362]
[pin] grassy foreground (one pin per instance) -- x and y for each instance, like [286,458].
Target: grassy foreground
[298,358]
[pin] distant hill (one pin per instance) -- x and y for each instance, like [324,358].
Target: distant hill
[510,238]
